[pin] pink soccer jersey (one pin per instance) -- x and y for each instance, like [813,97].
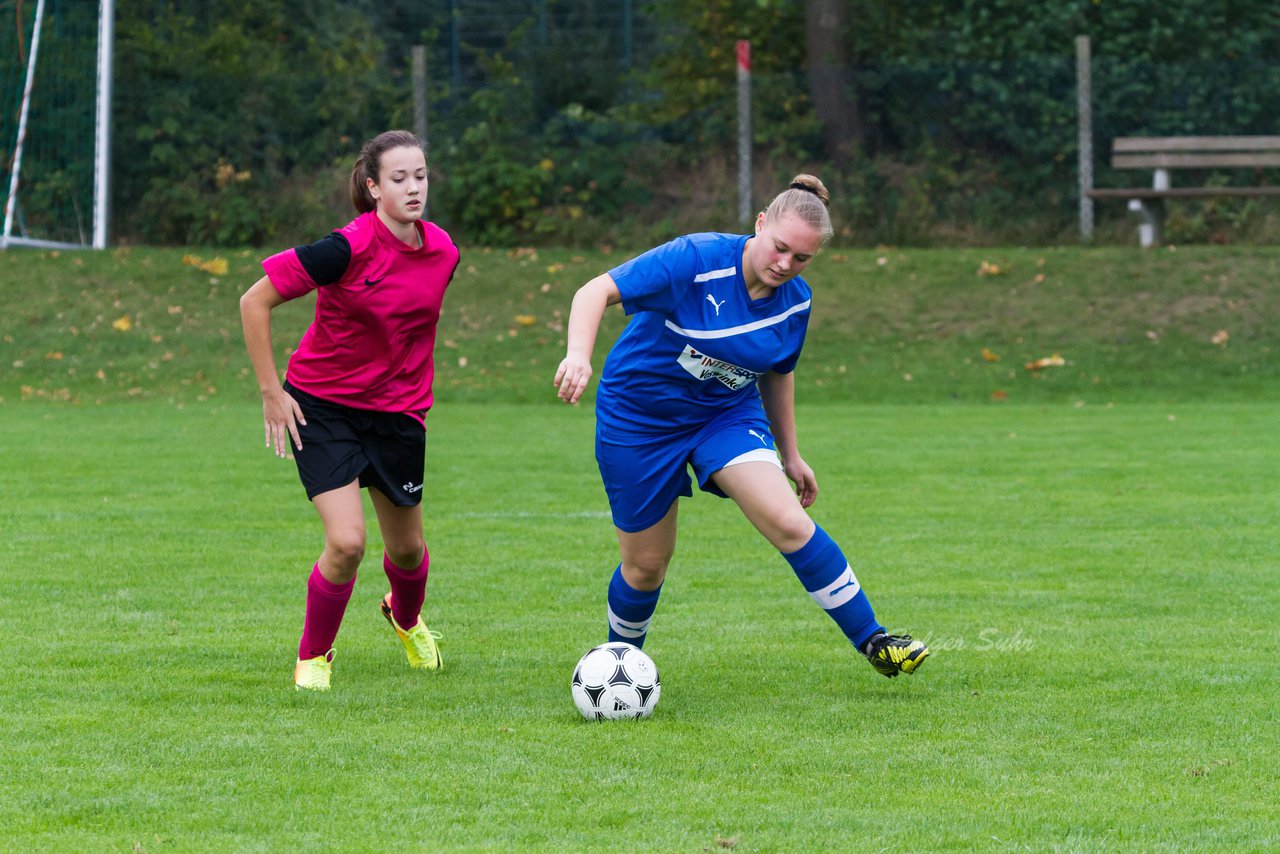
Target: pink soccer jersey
[372,342]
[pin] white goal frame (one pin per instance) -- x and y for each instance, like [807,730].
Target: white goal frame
[102,136]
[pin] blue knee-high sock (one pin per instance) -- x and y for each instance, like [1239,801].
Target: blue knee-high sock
[630,610]
[826,574]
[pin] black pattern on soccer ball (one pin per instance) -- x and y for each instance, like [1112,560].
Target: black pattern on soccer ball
[615,680]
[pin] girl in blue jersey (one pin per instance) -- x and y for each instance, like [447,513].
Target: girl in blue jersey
[703,376]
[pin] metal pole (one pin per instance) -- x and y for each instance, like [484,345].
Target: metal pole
[102,151]
[22,125]
[1084,111]
[744,131]
[419,53]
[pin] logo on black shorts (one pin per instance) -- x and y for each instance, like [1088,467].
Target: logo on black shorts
[411,488]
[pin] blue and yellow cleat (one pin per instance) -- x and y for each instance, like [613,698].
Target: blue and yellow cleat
[894,654]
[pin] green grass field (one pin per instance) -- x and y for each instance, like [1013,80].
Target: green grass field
[1093,564]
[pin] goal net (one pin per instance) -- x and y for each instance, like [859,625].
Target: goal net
[54,124]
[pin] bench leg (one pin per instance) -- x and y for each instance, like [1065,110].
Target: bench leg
[1148,223]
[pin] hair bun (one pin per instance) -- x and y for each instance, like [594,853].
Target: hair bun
[812,184]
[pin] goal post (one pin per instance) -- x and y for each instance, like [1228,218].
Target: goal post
[55,122]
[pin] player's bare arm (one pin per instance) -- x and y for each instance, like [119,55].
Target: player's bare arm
[280,413]
[777,393]
[585,314]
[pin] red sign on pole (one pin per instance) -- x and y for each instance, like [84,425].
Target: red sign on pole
[744,54]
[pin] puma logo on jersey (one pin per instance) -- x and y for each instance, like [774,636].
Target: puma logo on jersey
[715,304]
[759,436]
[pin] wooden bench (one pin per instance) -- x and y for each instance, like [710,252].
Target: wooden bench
[1164,153]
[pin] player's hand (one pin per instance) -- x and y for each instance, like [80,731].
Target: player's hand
[282,416]
[806,481]
[572,377]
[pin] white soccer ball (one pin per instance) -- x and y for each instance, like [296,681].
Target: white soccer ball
[616,680]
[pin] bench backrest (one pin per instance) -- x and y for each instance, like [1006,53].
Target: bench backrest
[1194,152]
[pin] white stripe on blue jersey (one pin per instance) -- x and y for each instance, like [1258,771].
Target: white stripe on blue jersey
[715,274]
[738,330]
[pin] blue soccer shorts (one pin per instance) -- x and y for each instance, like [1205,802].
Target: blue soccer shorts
[644,472]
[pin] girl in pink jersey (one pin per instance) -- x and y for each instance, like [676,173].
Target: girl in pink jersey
[357,391]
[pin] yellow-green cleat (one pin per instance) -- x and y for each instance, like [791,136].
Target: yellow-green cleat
[419,642]
[312,674]
[894,654]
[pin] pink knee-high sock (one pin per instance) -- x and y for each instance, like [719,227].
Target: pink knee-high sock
[326,603]
[408,589]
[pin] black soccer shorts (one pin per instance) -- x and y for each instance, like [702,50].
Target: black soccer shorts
[385,450]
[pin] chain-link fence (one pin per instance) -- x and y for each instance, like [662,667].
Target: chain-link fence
[585,121]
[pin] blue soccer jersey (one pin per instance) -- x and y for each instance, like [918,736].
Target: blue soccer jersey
[697,343]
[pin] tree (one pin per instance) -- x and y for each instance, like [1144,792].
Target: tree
[830,78]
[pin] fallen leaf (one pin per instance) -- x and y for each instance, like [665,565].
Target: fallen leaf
[122,324]
[526,319]
[989,356]
[1220,337]
[988,269]
[999,394]
[1054,361]
[216,266]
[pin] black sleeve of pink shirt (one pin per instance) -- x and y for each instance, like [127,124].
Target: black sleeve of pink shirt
[325,260]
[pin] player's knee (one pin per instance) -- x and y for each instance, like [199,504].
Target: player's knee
[646,570]
[346,549]
[791,530]
[406,555]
